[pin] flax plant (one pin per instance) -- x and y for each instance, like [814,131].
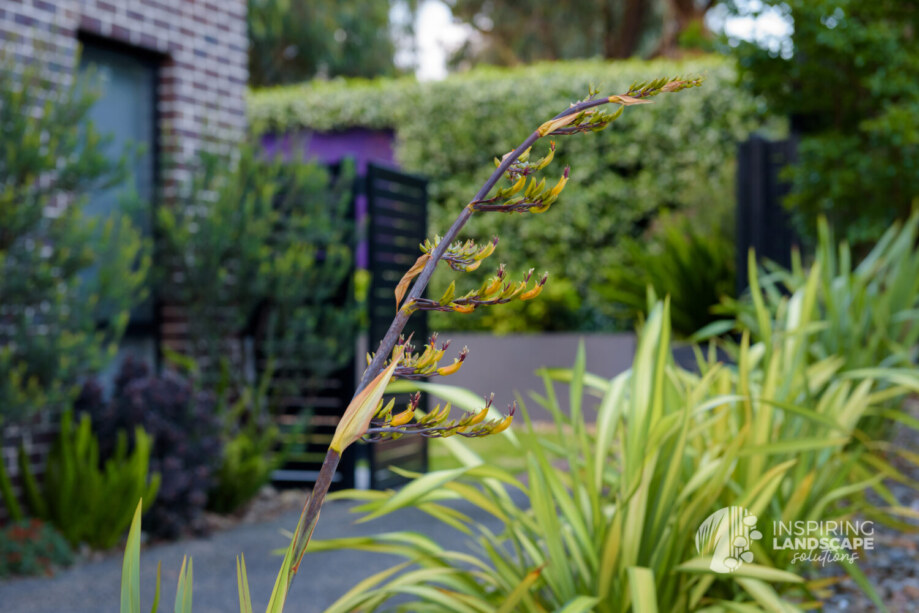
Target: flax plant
[609,513]
[367,416]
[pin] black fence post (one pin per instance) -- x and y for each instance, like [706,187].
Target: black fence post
[762,221]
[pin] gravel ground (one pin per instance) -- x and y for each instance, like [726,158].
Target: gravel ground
[893,565]
[94,587]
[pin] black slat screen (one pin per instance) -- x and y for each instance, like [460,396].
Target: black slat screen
[397,207]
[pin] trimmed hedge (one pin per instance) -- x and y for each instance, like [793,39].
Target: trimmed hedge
[674,155]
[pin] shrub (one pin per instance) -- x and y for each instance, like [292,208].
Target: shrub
[693,266]
[241,229]
[186,441]
[613,530]
[842,79]
[674,156]
[231,242]
[250,454]
[67,281]
[32,547]
[87,500]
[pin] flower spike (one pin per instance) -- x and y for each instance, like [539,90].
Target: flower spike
[437,423]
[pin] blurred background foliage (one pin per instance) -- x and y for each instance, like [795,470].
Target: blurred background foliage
[688,259]
[291,40]
[675,157]
[840,76]
[67,280]
[846,77]
[510,33]
[231,243]
[256,252]
[651,205]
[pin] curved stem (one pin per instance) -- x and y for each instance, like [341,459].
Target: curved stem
[398,324]
[402,316]
[310,513]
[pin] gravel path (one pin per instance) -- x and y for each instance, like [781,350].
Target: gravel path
[94,587]
[893,565]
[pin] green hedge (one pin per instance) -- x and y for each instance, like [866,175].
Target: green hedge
[677,154]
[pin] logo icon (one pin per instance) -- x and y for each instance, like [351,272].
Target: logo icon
[727,535]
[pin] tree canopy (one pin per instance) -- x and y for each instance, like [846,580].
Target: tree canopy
[295,40]
[512,32]
[847,80]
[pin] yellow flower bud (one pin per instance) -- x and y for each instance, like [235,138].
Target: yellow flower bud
[400,419]
[516,187]
[386,410]
[478,417]
[534,188]
[555,191]
[426,358]
[449,370]
[448,295]
[487,250]
[512,291]
[546,160]
[503,424]
[532,293]
[492,287]
[438,415]
[463,308]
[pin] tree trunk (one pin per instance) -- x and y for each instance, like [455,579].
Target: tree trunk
[622,42]
[683,13]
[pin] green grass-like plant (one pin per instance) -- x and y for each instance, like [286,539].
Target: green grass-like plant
[85,502]
[866,314]
[868,309]
[609,512]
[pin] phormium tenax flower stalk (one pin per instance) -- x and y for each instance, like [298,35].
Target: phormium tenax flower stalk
[583,116]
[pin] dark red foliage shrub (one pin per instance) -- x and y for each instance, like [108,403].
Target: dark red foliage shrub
[186,439]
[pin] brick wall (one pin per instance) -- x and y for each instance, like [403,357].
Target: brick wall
[202,51]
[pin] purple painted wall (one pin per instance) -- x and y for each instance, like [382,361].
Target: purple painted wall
[363,145]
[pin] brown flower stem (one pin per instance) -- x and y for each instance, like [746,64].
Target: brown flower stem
[401,319]
[398,324]
[310,513]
